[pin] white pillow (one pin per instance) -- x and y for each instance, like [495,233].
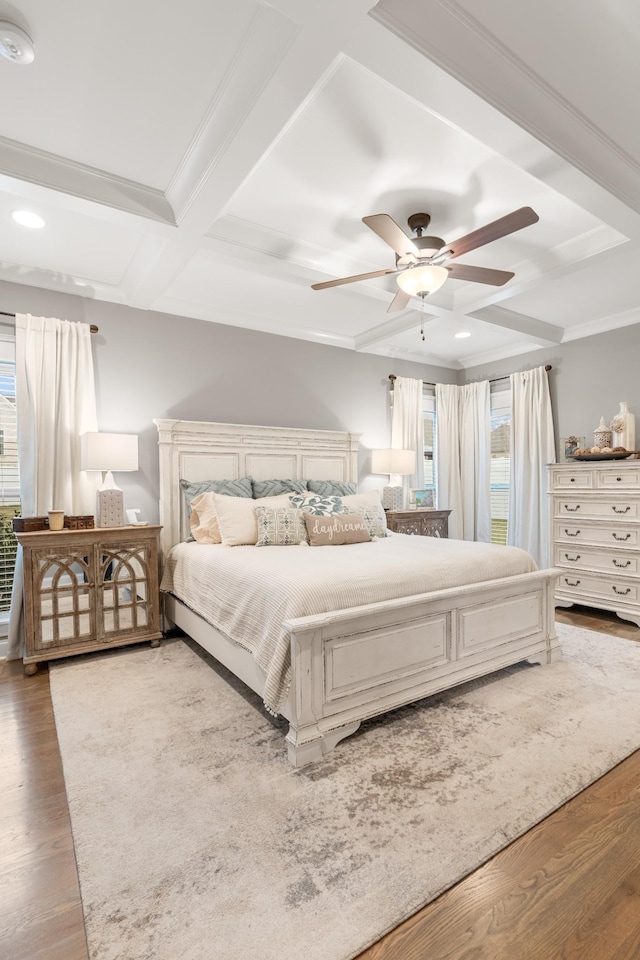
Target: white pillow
[237,517]
[370,505]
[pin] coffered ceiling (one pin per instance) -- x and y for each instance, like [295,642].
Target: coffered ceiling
[214,159]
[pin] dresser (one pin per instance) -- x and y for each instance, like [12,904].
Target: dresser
[88,590]
[595,533]
[421,522]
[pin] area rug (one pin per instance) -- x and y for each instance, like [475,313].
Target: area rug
[196,840]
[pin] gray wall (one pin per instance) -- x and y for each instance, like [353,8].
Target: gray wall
[588,380]
[152,365]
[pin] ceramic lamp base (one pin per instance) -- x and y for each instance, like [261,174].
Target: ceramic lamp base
[110,508]
[393,498]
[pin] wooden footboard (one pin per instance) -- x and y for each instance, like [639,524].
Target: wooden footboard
[352,664]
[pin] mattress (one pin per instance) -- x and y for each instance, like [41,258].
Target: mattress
[247,592]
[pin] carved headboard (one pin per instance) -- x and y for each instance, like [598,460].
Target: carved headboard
[197,450]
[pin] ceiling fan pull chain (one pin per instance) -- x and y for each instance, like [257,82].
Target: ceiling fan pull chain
[422,317]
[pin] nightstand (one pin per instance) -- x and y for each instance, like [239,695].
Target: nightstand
[421,522]
[89,590]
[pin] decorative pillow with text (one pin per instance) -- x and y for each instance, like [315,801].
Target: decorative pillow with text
[335,531]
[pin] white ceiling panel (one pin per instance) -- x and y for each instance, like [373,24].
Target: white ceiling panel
[215,160]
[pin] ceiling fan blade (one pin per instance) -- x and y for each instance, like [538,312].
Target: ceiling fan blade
[389,231]
[399,302]
[463,271]
[523,217]
[360,276]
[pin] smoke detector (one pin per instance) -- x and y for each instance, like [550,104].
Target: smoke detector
[15,44]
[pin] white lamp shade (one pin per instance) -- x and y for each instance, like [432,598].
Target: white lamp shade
[419,281]
[115,452]
[393,461]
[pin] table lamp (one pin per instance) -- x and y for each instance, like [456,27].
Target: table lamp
[109,453]
[397,463]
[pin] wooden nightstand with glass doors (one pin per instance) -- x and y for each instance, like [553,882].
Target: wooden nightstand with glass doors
[87,590]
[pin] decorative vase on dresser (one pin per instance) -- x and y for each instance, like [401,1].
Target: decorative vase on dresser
[626,421]
[595,533]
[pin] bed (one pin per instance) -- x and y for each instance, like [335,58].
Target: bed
[365,643]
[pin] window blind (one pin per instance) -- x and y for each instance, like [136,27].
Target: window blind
[9,480]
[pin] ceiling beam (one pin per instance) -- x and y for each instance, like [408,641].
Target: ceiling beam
[538,330]
[406,320]
[283,64]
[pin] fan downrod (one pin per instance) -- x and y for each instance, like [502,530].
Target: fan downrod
[428,246]
[419,222]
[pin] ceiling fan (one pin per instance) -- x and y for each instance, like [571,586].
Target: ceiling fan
[421,263]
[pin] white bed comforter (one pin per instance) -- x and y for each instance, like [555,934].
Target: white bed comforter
[247,592]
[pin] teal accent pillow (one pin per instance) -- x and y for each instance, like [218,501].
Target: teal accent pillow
[273,488]
[318,506]
[231,488]
[332,488]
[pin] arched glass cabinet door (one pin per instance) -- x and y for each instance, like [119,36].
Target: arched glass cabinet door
[65,606]
[124,574]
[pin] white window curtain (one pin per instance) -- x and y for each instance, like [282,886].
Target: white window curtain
[463,458]
[407,429]
[532,448]
[55,400]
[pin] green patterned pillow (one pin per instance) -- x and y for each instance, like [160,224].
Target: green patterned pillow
[318,506]
[332,488]
[280,527]
[374,519]
[273,488]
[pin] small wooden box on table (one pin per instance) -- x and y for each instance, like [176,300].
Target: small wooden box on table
[89,589]
[421,522]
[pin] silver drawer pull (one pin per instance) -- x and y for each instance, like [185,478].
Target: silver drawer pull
[572,480]
[574,559]
[576,534]
[626,509]
[622,565]
[572,509]
[576,584]
[618,479]
[622,593]
[616,537]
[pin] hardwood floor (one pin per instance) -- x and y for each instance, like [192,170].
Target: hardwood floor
[569,889]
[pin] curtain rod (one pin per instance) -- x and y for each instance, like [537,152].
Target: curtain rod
[3,313]
[392,377]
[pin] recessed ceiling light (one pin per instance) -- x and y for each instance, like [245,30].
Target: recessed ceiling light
[462,335]
[28,219]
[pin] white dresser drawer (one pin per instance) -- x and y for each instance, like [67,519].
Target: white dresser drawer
[609,508]
[579,479]
[603,560]
[590,586]
[625,476]
[573,531]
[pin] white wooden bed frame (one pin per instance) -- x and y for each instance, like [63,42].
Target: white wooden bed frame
[347,665]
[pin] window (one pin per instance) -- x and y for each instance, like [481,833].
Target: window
[500,412]
[9,480]
[500,404]
[429,427]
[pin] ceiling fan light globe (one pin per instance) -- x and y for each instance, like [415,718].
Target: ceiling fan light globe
[421,281]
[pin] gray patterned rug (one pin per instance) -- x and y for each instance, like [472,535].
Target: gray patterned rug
[196,840]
